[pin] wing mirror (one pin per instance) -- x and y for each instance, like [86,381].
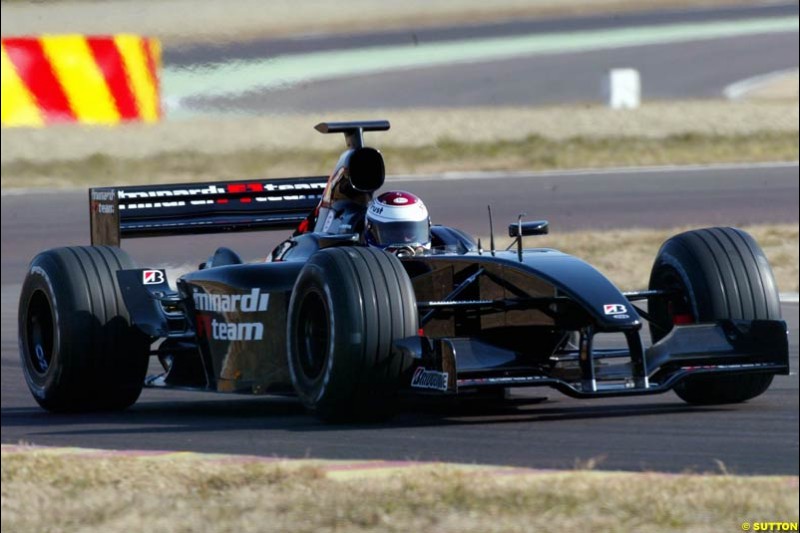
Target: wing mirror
[518,230]
[525,229]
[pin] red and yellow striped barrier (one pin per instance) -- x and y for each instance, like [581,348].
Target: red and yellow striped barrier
[77,78]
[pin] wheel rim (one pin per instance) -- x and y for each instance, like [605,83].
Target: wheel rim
[39,333]
[313,335]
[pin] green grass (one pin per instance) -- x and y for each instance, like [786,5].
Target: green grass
[533,152]
[46,493]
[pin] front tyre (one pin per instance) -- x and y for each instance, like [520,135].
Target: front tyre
[78,349]
[715,274]
[348,307]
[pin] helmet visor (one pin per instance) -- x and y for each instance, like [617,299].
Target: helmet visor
[400,233]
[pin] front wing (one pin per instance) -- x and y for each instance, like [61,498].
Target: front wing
[457,365]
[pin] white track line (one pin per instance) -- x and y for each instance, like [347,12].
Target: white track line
[737,90]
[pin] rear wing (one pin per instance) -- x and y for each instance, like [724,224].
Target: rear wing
[117,213]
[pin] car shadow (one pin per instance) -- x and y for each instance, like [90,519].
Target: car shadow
[287,414]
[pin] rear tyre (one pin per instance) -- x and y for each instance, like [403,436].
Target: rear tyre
[78,349]
[348,307]
[716,273]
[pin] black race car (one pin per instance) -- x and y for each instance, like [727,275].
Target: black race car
[349,328]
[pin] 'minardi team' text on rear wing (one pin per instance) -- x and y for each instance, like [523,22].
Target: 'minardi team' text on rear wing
[211,207]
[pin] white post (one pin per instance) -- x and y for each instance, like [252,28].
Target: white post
[623,88]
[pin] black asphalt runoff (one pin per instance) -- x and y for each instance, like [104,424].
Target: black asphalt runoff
[658,433]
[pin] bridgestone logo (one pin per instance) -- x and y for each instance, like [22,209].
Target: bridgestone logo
[429,379]
[224,303]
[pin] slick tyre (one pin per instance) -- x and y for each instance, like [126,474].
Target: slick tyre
[348,307]
[716,273]
[78,348]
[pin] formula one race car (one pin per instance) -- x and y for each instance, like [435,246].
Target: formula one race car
[350,328]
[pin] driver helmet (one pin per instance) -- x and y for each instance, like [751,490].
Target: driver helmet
[398,222]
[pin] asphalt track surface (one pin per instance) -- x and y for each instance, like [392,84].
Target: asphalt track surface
[684,70]
[188,55]
[655,433]
[660,198]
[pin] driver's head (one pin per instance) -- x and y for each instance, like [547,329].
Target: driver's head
[398,222]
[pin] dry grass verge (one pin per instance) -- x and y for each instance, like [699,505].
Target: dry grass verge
[625,256]
[420,127]
[531,153]
[46,493]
